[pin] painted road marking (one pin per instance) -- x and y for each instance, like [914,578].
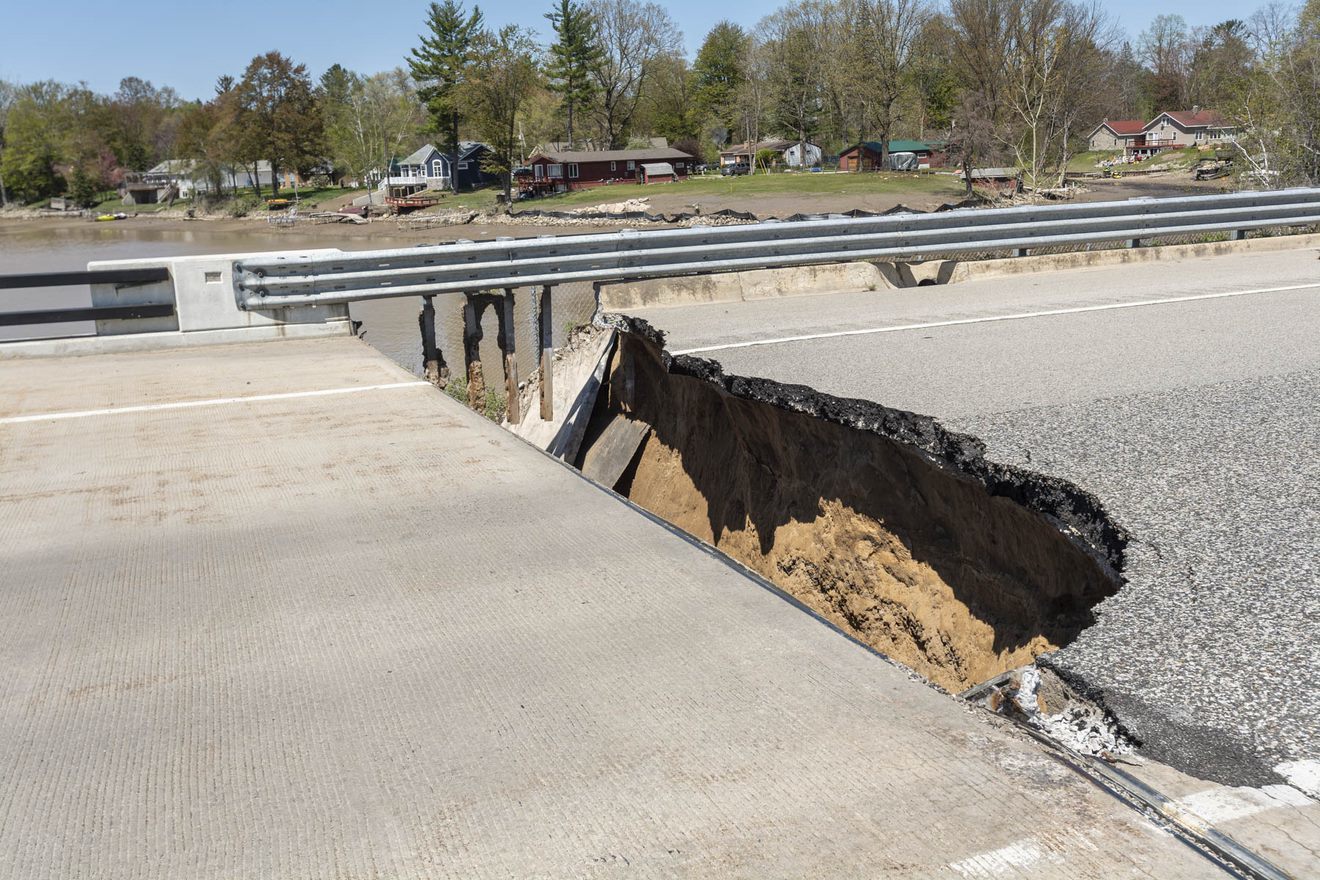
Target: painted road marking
[1217,805]
[214,401]
[1018,316]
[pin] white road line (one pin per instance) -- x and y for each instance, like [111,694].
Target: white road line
[1217,805]
[1018,316]
[214,401]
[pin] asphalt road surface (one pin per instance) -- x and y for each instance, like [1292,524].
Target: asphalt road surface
[1186,396]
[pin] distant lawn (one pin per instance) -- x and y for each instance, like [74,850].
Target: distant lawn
[1089,160]
[310,198]
[476,200]
[824,184]
[1184,158]
[111,203]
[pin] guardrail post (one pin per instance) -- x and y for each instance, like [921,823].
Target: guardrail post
[1134,243]
[508,345]
[546,334]
[1239,234]
[476,384]
[434,368]
[1021,252]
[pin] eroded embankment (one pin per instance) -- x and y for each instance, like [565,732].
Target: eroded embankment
[882,521]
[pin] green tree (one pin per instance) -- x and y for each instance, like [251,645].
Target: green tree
[84,188]
[141,123]
[575,59]
[37,128]
[796,68]
[8,94]
[1220,63]
[333,96]
[278,117]
[504,76]
[440,66]
[718,74]
[666,108]
[933,79]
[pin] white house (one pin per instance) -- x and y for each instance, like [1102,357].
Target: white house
[185,180]
[788,153]
[793,156]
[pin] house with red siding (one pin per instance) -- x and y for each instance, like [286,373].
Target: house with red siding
[555,170]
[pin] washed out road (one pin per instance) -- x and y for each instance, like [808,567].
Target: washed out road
[1186,396]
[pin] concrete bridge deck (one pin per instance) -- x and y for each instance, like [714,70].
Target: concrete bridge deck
[279,610]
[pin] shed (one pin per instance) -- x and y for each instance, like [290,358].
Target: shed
[865,156]
[1000,180]
[657,172]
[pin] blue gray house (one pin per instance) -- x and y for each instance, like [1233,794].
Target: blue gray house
[471,174]
[428,168]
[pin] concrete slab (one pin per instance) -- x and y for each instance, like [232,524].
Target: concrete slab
[369,634]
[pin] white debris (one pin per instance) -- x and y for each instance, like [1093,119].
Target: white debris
[1303,775]
[1078,724]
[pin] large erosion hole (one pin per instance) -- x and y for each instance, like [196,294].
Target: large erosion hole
[891,527]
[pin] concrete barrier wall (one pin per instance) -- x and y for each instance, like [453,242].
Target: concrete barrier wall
[204,296]
[206,312]
[742,286]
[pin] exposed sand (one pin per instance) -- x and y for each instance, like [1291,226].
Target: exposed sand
[914,558]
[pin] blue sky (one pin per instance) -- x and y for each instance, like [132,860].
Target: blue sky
[187,44]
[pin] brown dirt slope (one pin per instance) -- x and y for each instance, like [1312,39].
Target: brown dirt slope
[930,562]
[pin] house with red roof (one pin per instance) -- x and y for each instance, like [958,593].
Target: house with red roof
[1115,134]
[1169,130]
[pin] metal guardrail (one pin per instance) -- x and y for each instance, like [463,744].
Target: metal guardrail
[468,267]
[70,279]
[84,313]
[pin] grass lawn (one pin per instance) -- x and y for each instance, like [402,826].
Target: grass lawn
[111,203]
[1184,158]
[1087,161]
[824,184]
[476,200]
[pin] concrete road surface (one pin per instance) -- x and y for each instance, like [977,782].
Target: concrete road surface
[1186,395]
[279,610]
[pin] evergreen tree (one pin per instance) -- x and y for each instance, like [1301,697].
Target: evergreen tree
[574,57]
[440,66]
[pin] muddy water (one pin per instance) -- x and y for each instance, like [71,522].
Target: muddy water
[390,325]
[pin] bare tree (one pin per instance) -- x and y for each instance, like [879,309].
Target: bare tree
[1279,102]
[1165,47]
[377,119]
[754,91]
[797,58]
[633,36]
[1030,69]
[878,54]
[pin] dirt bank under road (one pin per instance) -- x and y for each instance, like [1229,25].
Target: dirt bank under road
[892,528]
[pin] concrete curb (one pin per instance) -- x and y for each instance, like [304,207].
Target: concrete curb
[743,286]
[967,271]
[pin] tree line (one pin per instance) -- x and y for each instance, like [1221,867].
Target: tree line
[1018,84]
